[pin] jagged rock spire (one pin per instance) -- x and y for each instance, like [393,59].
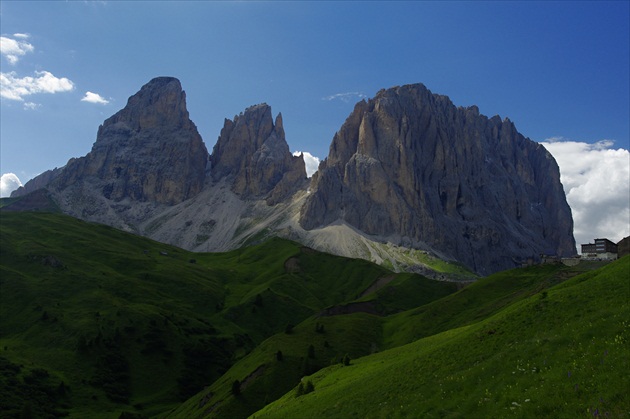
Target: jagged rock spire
[253,153]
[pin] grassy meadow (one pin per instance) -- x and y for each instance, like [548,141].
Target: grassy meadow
[95,322]
[121,323]
[563,352]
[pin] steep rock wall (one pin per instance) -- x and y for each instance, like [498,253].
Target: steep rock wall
[410,164]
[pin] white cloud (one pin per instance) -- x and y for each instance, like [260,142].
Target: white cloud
[15,88]
[345,97]
[8,183]
[311,162]
[94,98]
[14,49]
[30,106]
[596,180]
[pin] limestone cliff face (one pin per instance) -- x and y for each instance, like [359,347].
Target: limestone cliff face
[407,167]
[409,164]
[253,153]
[150,151]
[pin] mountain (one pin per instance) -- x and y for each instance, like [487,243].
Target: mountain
[408,163]
[410,180]
[253,151]
[38,182]
[150,151]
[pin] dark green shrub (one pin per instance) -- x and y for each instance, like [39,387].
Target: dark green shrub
[346,360]
[299,391]
[309,388]
[236,387]
[304,389]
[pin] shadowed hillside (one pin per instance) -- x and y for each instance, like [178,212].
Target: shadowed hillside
[94,320]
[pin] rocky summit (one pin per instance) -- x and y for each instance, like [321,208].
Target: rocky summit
[408,173]
[148,151]
[253,152]
[408,163]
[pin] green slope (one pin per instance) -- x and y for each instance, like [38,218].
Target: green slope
[330,334]
[403,310]
[94,321]
[560,353]
[477,301]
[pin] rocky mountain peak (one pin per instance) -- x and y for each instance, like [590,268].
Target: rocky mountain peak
[407,167]
[160,103]
[253,153]
[150,151]
[410,166]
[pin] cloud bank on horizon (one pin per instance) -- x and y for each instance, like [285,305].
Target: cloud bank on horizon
[596,180]
[8,183]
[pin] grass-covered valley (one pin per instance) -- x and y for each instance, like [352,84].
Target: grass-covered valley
[95,322]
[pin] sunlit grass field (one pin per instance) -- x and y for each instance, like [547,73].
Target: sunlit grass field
[559,353]
[95,322]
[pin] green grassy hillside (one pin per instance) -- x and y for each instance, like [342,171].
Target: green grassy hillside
[352,329]
[563,352]
[477,301]
[95,322]
[399,312]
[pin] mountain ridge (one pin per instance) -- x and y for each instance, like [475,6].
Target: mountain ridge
[407,170]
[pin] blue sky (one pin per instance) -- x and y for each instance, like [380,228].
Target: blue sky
[559,70]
